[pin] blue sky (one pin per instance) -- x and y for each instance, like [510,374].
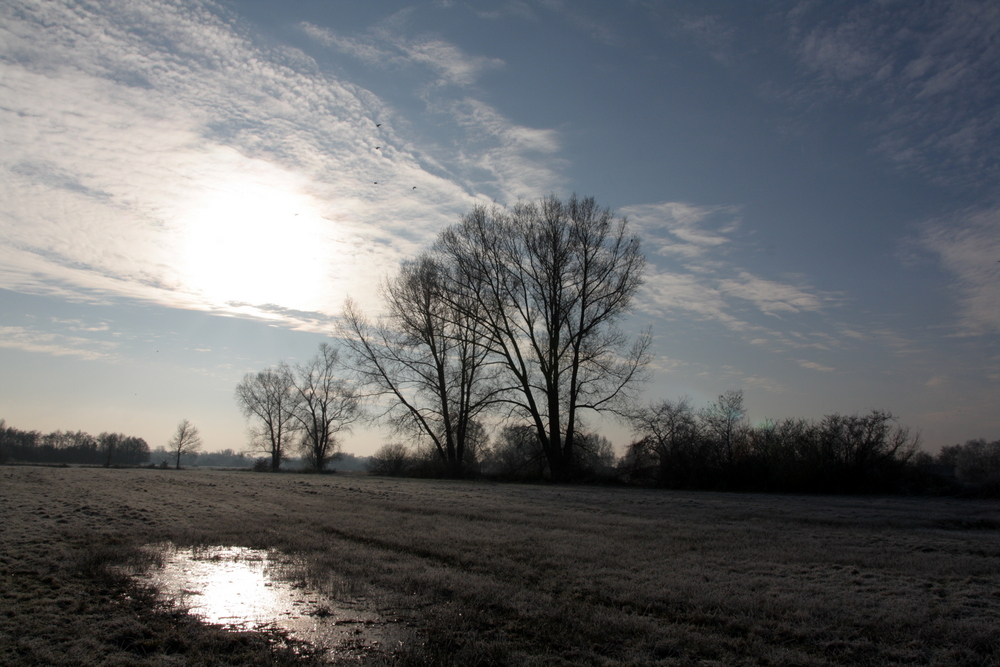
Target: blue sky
[188,191]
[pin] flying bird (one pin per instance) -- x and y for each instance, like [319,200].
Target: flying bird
[414,187]
[375,183]
[378,148]
[378,124]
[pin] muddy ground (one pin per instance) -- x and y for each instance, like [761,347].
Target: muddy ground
[479,573]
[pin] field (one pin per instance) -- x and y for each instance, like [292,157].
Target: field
[506,574]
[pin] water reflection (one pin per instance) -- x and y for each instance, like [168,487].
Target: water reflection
[251,589]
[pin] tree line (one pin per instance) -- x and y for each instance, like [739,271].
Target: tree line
[717,448]
[78,447]
[509,322]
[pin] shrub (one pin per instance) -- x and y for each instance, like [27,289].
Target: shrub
[392,459]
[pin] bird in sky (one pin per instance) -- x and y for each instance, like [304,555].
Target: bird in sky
[378,148]
[378,124]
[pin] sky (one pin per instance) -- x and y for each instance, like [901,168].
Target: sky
[189,191]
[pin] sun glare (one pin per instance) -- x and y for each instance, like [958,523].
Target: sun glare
[258,245]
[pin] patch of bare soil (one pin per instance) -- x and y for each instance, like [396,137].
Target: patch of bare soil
[503,574]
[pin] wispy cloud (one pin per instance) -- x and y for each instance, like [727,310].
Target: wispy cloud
[29,339]
[812,365]
[769,296]
[712,34]
[181,160]
[924,74]
[695,273]
[684,230]
[512,9]
[479,147]
[968,247]
[386,45]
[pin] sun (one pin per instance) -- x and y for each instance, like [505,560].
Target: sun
[257,244]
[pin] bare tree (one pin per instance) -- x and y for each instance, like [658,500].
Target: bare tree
[186,440]
[864,442]
[108,444]
[668,437]
[424,359]
[547,283]
[326,406]
[114,448]
[725,422]
[269,397]
[516,453]
[391,460]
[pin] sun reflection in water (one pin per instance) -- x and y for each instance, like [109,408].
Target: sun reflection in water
[229,588]
[252,589]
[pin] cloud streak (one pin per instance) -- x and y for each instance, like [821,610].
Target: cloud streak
[28,339]
[137,131]
[925,73]
[968,247]
[693,273]
[385,45]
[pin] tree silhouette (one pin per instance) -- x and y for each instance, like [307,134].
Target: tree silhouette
[326,406]
[546,284]
[186,440]
[424,359]
[270,398]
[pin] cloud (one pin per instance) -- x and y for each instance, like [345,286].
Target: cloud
[968,247]
[37,341]
[476,146]
[712,34]
[177,124]
[681,229]
[597,30]
[512,8]
[691,270]
[924,76]
[519,162]
[812,365]
[386,46]
[769,296]
[665,293]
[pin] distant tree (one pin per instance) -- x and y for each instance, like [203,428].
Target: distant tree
[186,440]
[132,451]
[270,398]
[5,442]
[326,405]
[596,453]
[391,460]
[516,453]
[725,423]
[975,462]
[666,451]
[864,451]
[547,284]
[108,444]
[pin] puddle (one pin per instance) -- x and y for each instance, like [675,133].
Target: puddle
[253,589]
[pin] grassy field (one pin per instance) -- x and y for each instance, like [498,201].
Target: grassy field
[507,574]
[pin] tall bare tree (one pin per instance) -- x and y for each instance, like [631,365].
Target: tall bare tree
[186,440]
[424,360]
[548,282]
[269,397]
[327,405]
